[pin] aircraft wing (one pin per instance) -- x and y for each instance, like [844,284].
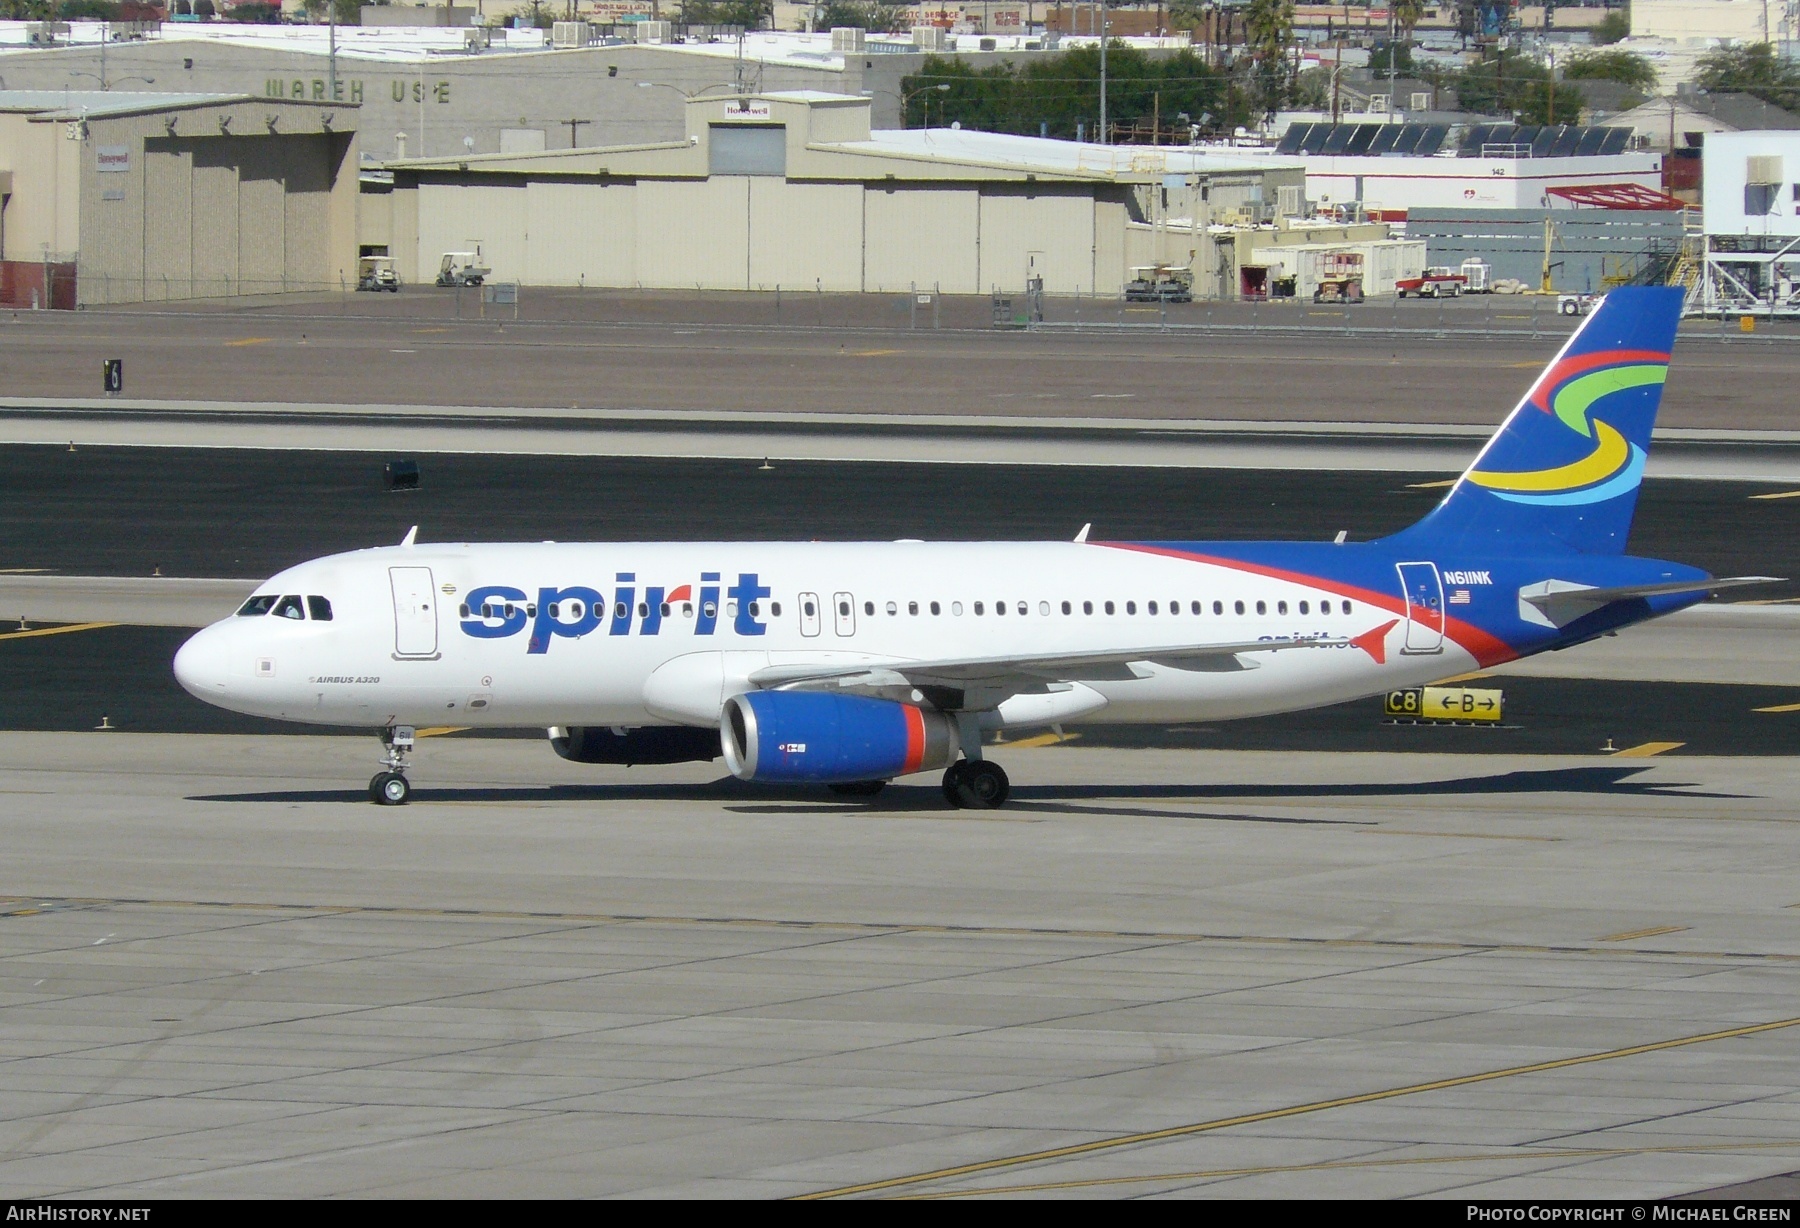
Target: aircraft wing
[1026,673]
[1562,602]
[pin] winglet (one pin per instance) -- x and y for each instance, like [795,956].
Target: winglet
[412,535]
[1081,537]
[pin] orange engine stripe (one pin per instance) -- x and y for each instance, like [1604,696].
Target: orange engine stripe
[915,739]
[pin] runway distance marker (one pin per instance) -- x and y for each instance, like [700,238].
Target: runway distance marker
[1779,708]
[248,341]
[1646,749]
[1783,494]
[25,635]
[1478,1157]
[1431,485]
[1292,1110]
[1652,932]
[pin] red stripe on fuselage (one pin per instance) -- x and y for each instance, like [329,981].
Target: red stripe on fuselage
[915,738]
[1485,648]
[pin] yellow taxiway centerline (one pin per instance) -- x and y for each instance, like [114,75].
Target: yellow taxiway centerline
[1292,1110]
[1645,749]
[1211,1174]
[24,635]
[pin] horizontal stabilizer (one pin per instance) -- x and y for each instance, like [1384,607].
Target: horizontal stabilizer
[1558,603]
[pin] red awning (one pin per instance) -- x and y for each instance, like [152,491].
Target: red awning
[1617,196]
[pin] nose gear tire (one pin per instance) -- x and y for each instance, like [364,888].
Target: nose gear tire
[389,789]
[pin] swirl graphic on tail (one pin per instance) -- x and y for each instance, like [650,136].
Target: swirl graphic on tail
[1569,391]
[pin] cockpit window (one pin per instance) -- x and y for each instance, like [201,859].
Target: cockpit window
[257,606]
[319,608]
[289,607]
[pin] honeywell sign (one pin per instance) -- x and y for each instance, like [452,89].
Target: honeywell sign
[115,159]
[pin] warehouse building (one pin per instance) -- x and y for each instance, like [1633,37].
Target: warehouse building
[795,190]
[430,91]
[117,198]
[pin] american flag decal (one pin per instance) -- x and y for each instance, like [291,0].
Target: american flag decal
[1459,596]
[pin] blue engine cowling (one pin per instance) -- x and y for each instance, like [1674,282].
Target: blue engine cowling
[821,738]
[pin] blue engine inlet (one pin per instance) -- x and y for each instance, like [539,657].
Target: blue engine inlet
[818,738]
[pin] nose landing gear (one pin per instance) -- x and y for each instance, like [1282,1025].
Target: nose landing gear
[391,788]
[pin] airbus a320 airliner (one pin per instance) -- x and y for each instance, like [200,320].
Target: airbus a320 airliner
[849,664]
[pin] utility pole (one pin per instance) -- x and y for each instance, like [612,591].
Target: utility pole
[1105,137]
[573,124]
[1393,58]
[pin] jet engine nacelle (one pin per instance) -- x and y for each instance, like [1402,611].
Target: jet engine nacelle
[821,738]
[651,744]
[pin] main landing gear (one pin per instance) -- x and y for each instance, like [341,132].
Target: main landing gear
[391,788]
[976,785]
[972,783]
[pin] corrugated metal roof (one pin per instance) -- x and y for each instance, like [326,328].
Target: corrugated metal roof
[1063,157]
[95,104]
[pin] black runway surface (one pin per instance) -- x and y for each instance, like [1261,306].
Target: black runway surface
[200,512]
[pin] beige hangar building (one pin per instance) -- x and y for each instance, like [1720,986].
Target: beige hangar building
[114,197]
[794,190]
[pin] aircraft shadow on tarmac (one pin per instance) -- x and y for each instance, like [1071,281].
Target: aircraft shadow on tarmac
[762,799]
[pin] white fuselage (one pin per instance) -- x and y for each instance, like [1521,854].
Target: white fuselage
[464,635]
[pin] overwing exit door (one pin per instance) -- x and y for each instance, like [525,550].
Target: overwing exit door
[415,612]
[1424,590]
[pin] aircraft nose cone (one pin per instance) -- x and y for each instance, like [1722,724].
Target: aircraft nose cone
[200,666]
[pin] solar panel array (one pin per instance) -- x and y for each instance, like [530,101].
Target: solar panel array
[1424,140]
[1367,140]
[1544,141]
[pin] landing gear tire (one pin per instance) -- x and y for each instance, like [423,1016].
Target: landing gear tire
[953,777]
[976,786]
[858,788]
[389,789]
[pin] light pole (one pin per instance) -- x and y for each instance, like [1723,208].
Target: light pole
[664,85]
[106,83]
[906,96]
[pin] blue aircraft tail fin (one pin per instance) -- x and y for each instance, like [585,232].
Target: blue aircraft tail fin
[1565,466]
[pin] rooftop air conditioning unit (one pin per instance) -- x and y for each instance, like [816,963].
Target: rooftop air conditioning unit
[847,38]
[1762,170]
[655,31]
[571,34]
[1421,100]
[1289,200]
[1378,104]
[930,38]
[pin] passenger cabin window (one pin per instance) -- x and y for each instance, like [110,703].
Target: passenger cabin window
[256,607]
[1066,607]
[1262,607]
[1280,607]
[1087,607]
[290,607]
[319,608]
[912,607]
[1238,606]
[978,607]
[1196,607]
[1109,607]
[935,608]
[868,607]
[1303,607]
[1130,607]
